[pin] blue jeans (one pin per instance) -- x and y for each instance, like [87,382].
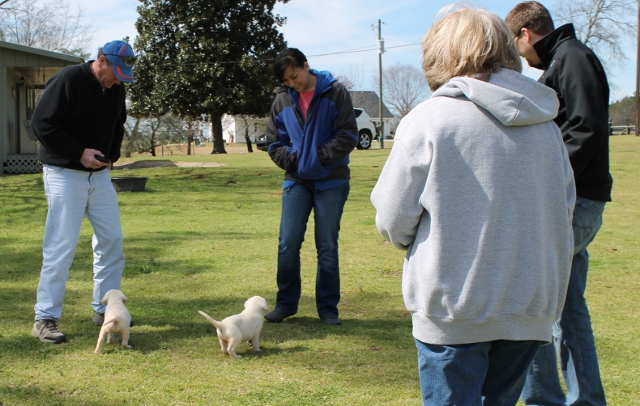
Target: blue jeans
[327,205]
[573,336]
[487,373]
[72,195]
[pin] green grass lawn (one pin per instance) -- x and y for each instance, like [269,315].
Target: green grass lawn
[206,239]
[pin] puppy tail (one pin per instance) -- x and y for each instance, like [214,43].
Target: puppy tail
[108,322]
[210,319]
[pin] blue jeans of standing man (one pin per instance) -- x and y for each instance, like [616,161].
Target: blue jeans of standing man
[297,203]
[72,195]
[487,373]
[573,336]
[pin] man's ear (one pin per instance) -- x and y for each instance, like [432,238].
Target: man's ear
[529,36]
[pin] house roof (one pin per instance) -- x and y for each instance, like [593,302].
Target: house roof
[369,102]
[36,65]
[41,52]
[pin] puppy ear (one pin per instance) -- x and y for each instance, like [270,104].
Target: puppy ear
[105,300]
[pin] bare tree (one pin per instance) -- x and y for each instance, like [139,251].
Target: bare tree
[346,82]
[353,77]
[144,134]
[602,25]
[51,25]
[404,86]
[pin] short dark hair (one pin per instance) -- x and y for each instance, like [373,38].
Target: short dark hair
[288,57]
[531,15]
[100,53]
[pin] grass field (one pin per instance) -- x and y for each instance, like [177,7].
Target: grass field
[205,238]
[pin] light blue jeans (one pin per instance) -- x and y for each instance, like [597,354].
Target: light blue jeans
[573,336]
[327,206]
[72,195]
[487,373]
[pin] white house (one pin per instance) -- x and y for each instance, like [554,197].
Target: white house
[241,126]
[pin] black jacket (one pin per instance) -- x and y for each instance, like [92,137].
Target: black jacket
[578,78]
[75,113]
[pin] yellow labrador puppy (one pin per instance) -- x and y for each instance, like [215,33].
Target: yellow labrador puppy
[116,319]
[245,326]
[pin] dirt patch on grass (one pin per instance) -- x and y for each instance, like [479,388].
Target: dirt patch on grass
[204,150]
[164,163]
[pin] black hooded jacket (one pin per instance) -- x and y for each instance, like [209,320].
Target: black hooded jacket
[578,78]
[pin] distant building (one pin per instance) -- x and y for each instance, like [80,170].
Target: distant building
[240,125]
[23,73]
[369,102]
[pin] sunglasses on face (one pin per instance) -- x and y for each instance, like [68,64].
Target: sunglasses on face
[128,60]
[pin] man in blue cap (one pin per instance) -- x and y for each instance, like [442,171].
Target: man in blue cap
[79,122]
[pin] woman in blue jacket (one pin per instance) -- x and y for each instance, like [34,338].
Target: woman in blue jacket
[311,131]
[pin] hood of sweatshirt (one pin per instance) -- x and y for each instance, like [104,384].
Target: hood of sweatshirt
[513,99]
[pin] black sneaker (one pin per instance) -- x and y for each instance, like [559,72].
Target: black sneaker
[98,319]
[47,331]
[276,316]
[331,321]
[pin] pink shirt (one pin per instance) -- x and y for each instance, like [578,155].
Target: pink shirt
[305,100]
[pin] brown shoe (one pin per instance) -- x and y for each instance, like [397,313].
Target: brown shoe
[47,331]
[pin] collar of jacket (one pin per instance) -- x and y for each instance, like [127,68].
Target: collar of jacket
[324,80]
[547,46]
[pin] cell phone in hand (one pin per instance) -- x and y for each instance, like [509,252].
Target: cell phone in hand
[101,158]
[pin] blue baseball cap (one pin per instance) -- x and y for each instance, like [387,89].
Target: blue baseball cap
[122,58]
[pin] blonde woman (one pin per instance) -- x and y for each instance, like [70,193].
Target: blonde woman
[479,191]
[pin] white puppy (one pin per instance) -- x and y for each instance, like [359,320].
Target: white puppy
[116,319]
[245,326]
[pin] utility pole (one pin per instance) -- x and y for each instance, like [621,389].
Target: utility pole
[380,52]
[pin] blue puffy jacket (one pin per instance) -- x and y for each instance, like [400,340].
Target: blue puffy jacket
[316,148]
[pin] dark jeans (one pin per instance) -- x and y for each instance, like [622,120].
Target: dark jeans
[327,205]
[573,337]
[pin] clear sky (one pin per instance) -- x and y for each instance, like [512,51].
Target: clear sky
[341,35]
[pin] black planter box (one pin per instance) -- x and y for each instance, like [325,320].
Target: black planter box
[129,183]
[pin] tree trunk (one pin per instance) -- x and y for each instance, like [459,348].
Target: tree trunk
[246,134]
[216,126]
[153,143]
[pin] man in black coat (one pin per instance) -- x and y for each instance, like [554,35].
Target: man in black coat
[79,121]
[578,78]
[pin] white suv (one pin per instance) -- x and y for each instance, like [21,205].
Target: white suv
[366,128]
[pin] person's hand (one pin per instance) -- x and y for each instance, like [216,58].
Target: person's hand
[89,160]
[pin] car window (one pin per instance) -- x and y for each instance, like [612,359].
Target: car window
[358,112]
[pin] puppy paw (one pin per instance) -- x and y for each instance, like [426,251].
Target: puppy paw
[250,343]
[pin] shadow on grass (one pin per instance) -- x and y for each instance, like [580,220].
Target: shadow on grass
[35,395]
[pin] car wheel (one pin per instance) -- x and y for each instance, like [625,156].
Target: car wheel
[364,140]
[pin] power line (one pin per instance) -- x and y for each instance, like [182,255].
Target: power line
[351,51]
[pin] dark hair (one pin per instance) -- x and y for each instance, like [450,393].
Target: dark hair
[288,57]
[531,15]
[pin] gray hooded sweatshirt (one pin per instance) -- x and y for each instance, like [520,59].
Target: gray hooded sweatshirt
[479,191]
